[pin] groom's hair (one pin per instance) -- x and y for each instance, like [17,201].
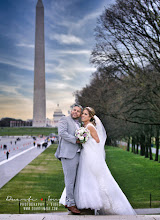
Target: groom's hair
[74,105]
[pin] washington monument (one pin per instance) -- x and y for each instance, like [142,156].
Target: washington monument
[39,101]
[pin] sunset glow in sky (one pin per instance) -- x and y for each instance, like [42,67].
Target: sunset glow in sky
[69,40]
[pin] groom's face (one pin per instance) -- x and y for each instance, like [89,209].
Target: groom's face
[76,112]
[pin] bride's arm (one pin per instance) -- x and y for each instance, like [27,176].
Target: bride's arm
[93,133]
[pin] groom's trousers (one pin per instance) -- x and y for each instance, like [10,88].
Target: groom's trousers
[70,167]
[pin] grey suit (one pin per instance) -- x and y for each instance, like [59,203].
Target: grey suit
[67,153]
[67,147]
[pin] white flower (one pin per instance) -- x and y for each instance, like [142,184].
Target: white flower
[82,134]
[81,138]
[86,138]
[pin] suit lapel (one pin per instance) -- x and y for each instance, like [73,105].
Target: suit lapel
[71,119]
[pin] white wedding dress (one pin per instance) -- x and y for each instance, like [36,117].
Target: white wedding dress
[95,187]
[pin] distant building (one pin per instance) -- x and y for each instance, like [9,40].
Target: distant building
[57,115]
[49,122]
[20,123]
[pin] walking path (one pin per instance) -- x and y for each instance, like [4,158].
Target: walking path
[9,168]
[60,216]
[14,147]
[151,211]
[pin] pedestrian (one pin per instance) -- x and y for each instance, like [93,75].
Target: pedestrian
[7,154]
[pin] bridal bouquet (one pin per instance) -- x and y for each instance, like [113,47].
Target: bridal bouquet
[82,134]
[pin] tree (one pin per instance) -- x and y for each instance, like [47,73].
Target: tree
[122,106]
[5,122]
[125,89]
[128,36]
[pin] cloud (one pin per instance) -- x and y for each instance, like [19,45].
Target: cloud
[72,26]
[66,39]
[59,92]
[75,52]
[16,98]
[57,55]
[9,90]
[25,45]
[57,16]
[19,62]
[11,106]
[19,86]
[69,41]
[69,68]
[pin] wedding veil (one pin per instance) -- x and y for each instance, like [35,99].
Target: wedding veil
[101,134]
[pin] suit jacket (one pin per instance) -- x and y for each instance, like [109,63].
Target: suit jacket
[67,147]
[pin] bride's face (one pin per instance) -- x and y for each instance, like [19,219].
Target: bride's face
[85,116]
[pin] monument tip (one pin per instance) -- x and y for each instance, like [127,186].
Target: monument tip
[39,4]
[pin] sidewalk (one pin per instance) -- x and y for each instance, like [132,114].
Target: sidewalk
[61,216]
[11,167]
[150,211]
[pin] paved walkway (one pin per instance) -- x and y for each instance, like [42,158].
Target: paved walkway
[9,168]
[150,211]
[15,147]
[75,217]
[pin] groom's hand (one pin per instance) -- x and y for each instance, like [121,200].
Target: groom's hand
[78,142]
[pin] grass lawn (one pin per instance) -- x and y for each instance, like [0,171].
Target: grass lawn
[26,131]
[43,178]
[136,175]
[125,148]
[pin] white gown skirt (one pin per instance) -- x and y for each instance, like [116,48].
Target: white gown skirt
[95,187]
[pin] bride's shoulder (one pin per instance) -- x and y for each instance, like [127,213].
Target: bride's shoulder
[90,126]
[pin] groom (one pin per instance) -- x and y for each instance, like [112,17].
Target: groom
[68,152]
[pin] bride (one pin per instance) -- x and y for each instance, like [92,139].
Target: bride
[95,187]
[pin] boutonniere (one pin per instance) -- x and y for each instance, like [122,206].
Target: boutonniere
[82,124]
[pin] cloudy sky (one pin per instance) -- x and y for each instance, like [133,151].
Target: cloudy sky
[69,40]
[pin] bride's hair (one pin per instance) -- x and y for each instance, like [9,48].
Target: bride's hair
[91,112]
